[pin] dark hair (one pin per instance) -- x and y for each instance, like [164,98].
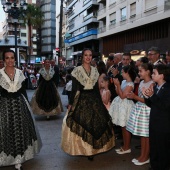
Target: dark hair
[85,49]
[111,57]
[144,59]
[130,70]
[156,49]
[68,77]
[147,66]
[127,54]
[8,51]
[107,78]
[163,69]
[101,67]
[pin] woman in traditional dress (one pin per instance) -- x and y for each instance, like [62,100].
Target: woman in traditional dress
[87,128]
[46,100]
[18,137]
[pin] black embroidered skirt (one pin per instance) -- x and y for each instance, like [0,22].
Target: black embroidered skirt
[18,136]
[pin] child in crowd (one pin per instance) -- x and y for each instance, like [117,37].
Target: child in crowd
[105,92]
[138,123]
[159,125]
[121,107]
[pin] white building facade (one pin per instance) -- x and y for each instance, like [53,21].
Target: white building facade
[126,25]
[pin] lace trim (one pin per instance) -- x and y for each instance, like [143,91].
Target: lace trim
[88,82]
[89,138]
[47,75]
[6,160]
[8,84]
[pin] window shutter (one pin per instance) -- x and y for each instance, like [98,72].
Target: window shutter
[150,3]
[133,9]
[113,16]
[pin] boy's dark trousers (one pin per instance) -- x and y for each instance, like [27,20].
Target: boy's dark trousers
[160,150]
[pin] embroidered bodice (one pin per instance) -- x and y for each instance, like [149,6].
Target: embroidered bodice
[11,85]
[47,75]
[88,81]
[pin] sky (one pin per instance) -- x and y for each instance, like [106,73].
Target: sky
[2,17]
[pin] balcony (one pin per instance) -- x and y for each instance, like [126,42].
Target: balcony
[69,2]
[101,11]
[71,26]
[92,15]
[102,29]
[85,2]
[92,31]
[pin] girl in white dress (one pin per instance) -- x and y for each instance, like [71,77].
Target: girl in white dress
[121,106]
[138,123]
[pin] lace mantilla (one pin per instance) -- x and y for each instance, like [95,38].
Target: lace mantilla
[88,82]
[47,75]
[8,84]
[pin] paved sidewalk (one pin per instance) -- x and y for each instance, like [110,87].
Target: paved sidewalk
[52,157]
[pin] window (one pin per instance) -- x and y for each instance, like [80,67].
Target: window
[113,18]
[123,14]
[112,2]
[23,34]
[133,9]
[150,4]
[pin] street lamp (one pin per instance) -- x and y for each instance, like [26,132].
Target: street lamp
[15,12]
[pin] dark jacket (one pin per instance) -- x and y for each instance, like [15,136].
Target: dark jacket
[160,110]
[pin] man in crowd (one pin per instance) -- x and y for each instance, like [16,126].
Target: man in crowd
[154,56]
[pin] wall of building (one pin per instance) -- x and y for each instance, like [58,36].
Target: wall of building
[147,26]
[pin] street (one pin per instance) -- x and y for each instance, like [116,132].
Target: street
[52,157]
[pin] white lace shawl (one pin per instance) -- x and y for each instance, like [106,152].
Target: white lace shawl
[47,75]
[88,82]
[8,84]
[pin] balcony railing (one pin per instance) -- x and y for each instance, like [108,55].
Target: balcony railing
[86,1]
[101,11]
[69,2]
[71,26]
[102,29]
[89,16]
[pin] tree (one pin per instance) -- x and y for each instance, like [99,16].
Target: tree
[33,17]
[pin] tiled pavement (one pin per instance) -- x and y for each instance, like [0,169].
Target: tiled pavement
[52,157]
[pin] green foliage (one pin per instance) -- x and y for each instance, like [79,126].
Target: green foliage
[33,16]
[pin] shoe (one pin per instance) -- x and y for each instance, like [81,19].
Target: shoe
[141,163]
[90,158]
[134,160]
[121,152]
[118,150]
[21,168]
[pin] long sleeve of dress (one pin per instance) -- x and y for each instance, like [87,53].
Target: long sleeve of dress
[74,90]
[23,90]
